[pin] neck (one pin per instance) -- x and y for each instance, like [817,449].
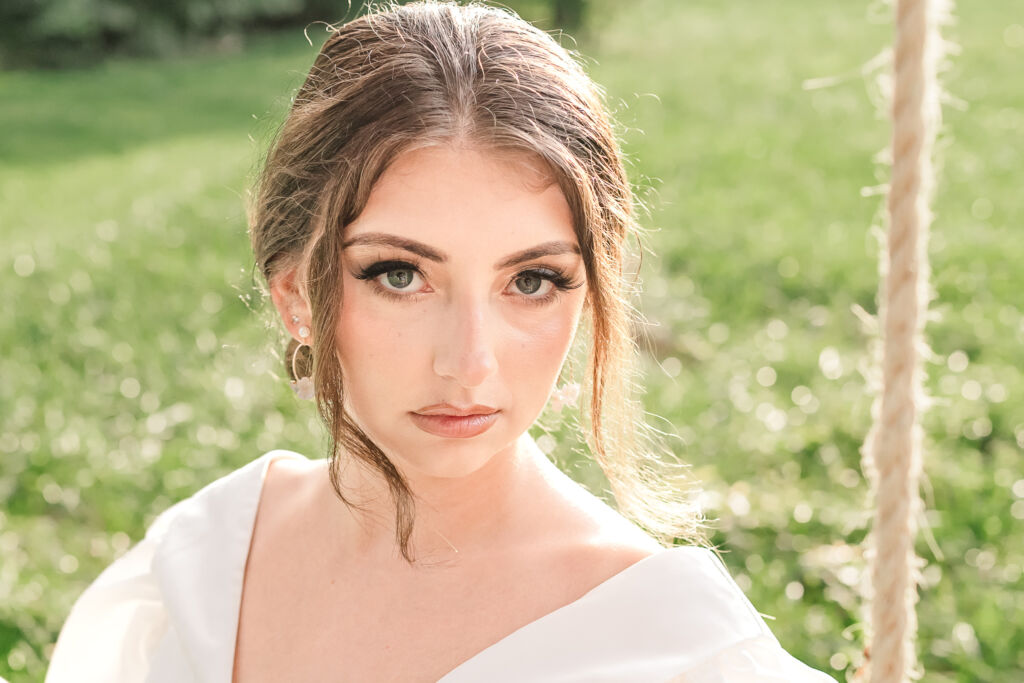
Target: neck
[455,518]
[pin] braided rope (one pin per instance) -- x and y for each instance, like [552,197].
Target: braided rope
[892,450]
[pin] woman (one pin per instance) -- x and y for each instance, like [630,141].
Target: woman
[444,206]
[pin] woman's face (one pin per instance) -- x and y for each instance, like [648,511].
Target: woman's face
[463,285]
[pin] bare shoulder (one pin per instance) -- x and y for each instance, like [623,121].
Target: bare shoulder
[591,563]
[284,473]
[291,469]
[288,487]
[582,563]
[596,541]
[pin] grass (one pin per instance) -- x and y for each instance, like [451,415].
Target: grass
[135,368]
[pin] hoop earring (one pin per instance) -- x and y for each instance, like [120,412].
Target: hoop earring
[303,386]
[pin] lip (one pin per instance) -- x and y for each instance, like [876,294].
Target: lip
[449,409]
[455,426]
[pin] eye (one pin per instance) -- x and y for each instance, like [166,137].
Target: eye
[400,278]
[397,281]
[530,282]
[550,282]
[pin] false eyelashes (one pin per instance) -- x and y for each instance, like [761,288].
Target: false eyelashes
[560,280]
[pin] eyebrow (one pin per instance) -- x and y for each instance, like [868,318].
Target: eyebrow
[553,248]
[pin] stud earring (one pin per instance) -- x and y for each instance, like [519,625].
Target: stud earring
[565,395]
[303,331]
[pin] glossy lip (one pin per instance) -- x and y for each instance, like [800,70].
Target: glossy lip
[455,426]
[449,409]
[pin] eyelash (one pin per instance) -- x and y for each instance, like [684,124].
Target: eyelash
[560,280]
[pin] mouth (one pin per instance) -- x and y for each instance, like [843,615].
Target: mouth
[455,423]
[457,411]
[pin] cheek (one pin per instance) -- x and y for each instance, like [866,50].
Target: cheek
[538,346]
[376,342]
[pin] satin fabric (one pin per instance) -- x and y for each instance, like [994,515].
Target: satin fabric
[167,611]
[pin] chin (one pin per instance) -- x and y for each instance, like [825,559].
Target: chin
[449,458]
[447,468]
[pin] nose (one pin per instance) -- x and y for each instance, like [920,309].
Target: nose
[464,349]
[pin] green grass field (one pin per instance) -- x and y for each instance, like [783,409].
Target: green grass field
[137,365]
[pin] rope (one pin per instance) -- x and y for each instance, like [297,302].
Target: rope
[892,449]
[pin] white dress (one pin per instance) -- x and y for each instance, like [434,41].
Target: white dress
[167,611]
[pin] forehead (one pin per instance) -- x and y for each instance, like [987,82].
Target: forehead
[466,200]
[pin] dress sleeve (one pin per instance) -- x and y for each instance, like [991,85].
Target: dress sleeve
[755,660]
[116,623]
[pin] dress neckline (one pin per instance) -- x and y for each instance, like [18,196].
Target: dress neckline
[641,566]
[662,615]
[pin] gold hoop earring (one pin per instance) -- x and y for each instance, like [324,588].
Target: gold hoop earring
[303,386]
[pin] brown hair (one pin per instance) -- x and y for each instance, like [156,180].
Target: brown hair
[408,76]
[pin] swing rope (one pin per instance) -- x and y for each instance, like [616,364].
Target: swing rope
[891,454]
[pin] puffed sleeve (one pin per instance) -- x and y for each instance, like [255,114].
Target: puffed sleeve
[755,660]
[117,622]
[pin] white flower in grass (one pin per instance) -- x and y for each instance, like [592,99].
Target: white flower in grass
[565,395]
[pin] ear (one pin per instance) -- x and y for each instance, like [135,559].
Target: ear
[291,304]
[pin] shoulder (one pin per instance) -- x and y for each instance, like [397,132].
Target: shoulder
[760,659]
[121,618]
[228,501]
[673,615]
[290,479]
[722,634]
[579,540]
[122,607]
[591,533]
[290,497]
[682,598]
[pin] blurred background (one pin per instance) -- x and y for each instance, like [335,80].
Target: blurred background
[137,362]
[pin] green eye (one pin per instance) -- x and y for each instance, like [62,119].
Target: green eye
[529,284]
[400,278]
